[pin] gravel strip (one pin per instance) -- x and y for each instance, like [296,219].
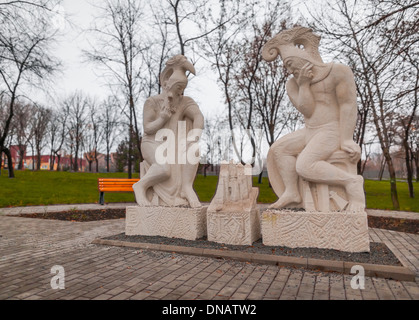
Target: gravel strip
[379,252]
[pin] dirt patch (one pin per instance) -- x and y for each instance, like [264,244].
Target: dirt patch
[379,252]
[78,215]
[402,225]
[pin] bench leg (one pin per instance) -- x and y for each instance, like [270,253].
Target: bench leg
[102,198]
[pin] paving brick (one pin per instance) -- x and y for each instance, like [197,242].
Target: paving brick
[208,294]
[200,287]
[369,295]
[101,272]
[320,295]
[122,296]
[190,295]
[304,296]
[161,293]
[141,295]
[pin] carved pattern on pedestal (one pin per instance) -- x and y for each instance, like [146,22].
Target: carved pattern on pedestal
[236,228]
[177,222]
[232,216]
[333,230]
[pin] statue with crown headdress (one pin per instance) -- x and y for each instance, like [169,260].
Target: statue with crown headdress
[168,119]
[314,169]
[167,203]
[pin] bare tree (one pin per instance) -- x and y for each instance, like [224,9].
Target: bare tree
[409,96]
[118,49]
[57,135]
[363,31]
[254,91]
[93,135]
[76,106]
[188,15]
[414,146]
[219,49]
[215,128]
[25,38]
[110,124]
[22,129]
[40,122]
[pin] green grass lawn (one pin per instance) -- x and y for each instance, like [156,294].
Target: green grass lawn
[378,195]
[46,188]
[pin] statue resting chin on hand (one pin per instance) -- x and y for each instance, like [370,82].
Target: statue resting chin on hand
[326,96]
[169,118]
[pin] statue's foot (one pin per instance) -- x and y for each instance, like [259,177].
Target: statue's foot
[195,204]
[143,203]
[286,199]
[140,195]
[355,207]
[356,196]
[192,198]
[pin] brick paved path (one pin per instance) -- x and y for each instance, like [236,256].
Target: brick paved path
[29,248]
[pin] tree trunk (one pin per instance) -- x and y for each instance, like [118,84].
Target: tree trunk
[1,159]
[76,162]
[58,162]
[130,149]
[381,172]
[409,169]
[260,178]
[9,162]
[107,162]
[417,165]
[21,156]
[393,185]
[51,161]
[363,167]
[38,159]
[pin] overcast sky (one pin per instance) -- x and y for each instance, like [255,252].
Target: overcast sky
[79,75]
[86,76]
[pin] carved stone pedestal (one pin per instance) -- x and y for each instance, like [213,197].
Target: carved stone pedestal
[235,228]
[171,222]
[344,231]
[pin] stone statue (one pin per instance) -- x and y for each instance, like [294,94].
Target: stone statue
[172,125]
[232,216]
[235,192]
[323,153]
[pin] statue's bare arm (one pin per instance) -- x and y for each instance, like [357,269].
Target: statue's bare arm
[195,115]
[153,122]
[346,98]
[299,91]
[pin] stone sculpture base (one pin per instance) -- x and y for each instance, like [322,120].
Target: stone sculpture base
[342,231]
[235,228]
[171,222]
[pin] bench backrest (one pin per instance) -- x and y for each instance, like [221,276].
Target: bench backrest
[116,185]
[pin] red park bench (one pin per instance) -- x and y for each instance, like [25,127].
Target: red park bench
[114,185]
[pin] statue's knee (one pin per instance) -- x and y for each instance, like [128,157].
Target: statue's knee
[165,170]
[304,167]
[280,151]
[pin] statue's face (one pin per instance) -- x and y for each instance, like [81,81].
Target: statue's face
[294,65]
[177,89]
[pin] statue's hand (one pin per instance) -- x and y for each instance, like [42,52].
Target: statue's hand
[353,149]
[165,112]
[305,75]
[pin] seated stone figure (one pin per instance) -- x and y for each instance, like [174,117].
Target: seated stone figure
[169,118]
[325,94]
